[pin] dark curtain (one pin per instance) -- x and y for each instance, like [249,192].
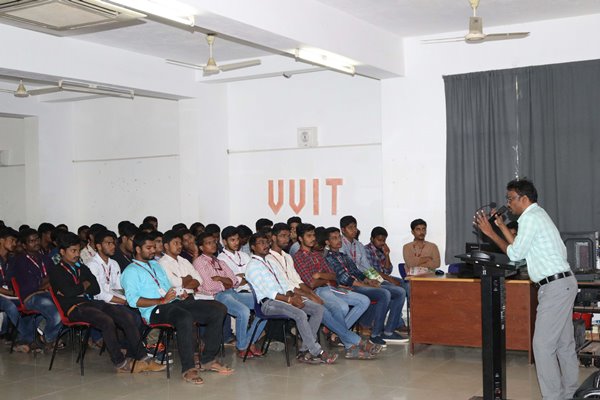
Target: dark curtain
[539,122]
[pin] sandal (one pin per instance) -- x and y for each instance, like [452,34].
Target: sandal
[220,369]
[192,375]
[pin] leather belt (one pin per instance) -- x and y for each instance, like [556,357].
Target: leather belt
[554,277]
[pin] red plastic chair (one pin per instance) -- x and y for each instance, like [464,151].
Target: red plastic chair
[83,328]
[24,311]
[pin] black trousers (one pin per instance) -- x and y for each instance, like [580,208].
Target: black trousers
[107,318]
[183,314]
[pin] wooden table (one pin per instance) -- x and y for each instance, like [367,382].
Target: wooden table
[447,311]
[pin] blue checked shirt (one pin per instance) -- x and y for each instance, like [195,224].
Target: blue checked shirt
[345,269]
[539,243]
[266,280]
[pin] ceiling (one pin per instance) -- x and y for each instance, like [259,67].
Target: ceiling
[368,31]
[425,17]
[404,18]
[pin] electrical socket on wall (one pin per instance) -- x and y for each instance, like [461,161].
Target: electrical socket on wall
[307,137]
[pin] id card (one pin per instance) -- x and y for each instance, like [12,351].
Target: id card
[162,292]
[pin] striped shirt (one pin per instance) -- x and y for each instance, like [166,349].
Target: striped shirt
[539,243]
[208,267]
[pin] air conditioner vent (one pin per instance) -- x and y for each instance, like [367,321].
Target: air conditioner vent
[64,15]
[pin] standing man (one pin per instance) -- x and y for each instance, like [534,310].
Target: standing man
[539,243]
[420,256]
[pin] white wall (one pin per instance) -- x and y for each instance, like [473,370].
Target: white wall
[265,115]
[414,131]
[12,170]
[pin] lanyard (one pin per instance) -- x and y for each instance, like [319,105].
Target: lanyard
[106,274]
[340,259]
[213,262]
[151,271]
[73,271]
[239,262]
[270,270]
[283,267]
[2,270]
[41,268]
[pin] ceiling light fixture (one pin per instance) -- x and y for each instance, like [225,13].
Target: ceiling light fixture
[169,9]
[326,59]
[79,87]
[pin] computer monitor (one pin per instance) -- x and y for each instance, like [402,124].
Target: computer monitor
[581,250]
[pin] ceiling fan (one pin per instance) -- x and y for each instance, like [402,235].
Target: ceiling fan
[476,34]
[211,67]
[22,91]
[71,86]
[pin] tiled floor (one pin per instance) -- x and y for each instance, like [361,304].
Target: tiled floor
[435,372]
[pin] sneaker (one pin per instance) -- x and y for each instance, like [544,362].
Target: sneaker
[396,337]
[160,354]
[378,340]
[334,341]
[356,353]
[323,358]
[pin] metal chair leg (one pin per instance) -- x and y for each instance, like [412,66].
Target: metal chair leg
[167,340]
[285,344]
[84,344]
[60,333]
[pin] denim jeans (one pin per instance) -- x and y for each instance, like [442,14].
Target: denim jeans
[239,306]
[377,311]
[307,327]
[42,302]
[398,297]
[351,305]
[24,325]
[336,313]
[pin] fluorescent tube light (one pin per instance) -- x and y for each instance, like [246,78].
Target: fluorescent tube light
[169,9]
[326,59]
[79,87]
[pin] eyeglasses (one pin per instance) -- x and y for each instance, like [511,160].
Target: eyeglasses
[511,198]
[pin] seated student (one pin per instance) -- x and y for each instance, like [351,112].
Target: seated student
[263,223]
[236,260]
[337,315]
[106,270]
[378,255]
[152,221]
[272,292]
[180,271]
[190,250]
[147,288]
[294,245]
[420,256]
[45,230]
[30,269]
[387,297]
[89,250]
[74,286]
[124,251]
[219,280]
[245,234]
[82,232]
[157,236]
[197,228]
[146,228]
[8,301]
